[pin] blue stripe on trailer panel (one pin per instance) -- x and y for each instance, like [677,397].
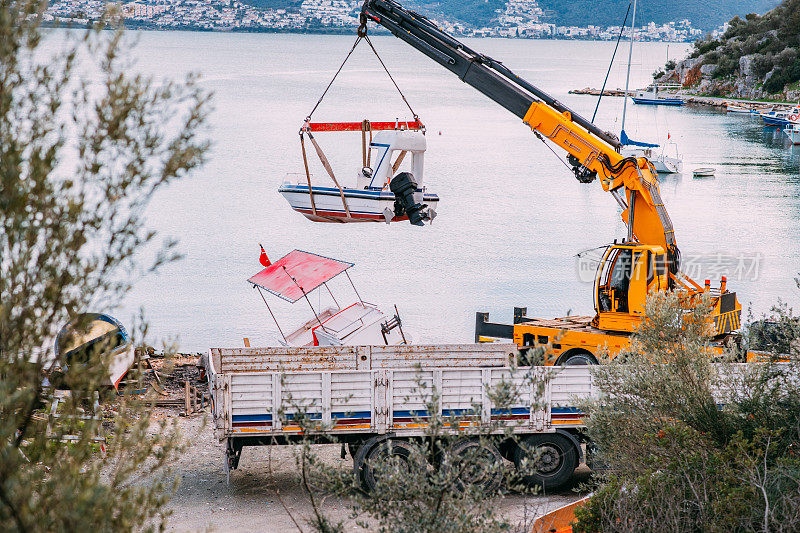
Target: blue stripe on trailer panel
[512,411]
[252,418]
[310,416]
[562,410]
[459,412]
[402,414]
[353,414]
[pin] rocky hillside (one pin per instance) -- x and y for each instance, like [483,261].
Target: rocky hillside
[756,58]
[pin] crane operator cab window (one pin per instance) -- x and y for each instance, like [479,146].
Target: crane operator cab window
[625,276]
[613,294]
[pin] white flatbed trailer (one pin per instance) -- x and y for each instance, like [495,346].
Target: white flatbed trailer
[365,395]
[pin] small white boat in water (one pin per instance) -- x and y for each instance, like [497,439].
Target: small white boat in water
[296,275]
[387,193]
[703,172]
[740,109]
[657,95]
[793,133]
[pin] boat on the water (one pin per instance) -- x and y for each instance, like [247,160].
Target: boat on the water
[297,275]
[387,193]
[91,334]
[782,118]
[740,109]
[793,133]
[703,172]
[657,95]
[663,163]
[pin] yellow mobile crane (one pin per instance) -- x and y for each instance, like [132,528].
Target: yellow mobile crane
[648,258]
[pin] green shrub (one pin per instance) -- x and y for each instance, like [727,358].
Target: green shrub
[694,444]
[762,64]
[725,67]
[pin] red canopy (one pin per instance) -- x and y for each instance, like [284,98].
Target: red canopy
[298,269]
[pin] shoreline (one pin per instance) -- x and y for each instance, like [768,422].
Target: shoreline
[712,101]
[321,30]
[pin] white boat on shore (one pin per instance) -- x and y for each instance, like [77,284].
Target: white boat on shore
[92,334]
[296,275]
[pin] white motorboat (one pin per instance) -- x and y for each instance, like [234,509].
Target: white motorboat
[663,163]
[387,193]
[296,275]
[739,109]
[782,118]
[703,172]
[656,95]
[793,133]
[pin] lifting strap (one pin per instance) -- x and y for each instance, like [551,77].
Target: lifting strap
[398,161]
[365,37]
[327,165]
[308,175]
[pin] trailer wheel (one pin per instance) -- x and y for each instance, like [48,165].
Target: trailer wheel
[388,457]
[477,463]
[546,460]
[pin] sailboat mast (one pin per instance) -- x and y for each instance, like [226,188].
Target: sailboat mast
[628,76]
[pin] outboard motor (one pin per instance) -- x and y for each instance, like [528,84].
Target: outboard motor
[404,186]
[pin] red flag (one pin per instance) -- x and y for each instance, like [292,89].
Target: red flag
[667,135]
[263,259]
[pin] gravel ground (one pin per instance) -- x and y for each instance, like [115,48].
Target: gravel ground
[264,494]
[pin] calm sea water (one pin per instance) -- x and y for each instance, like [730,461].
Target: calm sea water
[511,216]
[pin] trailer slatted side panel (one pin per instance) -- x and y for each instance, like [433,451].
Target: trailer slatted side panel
[569,385]
[381,400]
[410,390]
[352,399]
[302,392]
[462,392]
[251,397]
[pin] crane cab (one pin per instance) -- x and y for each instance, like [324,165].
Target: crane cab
[625,275]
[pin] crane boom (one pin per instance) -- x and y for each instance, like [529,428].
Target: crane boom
[592,151]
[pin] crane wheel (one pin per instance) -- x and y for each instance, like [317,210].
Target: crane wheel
[577,357]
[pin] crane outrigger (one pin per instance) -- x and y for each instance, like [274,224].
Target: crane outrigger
[648,258]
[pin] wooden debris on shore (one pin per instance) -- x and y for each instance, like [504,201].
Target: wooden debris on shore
[181,385]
